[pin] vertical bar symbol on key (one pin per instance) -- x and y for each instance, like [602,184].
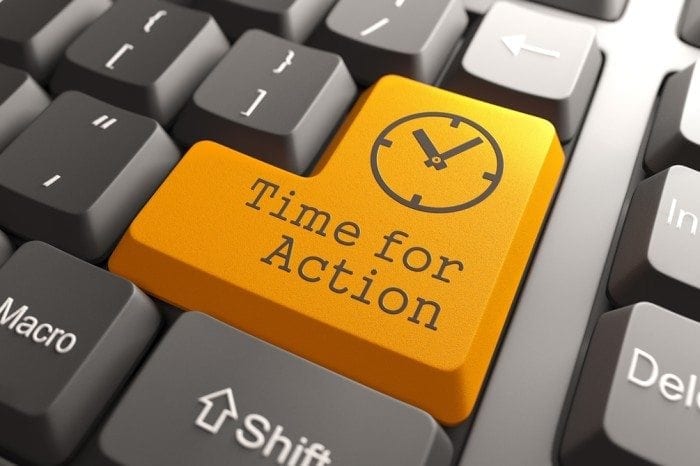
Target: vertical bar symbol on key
[124,48]
[375,27]
[258,100]
[104,122]
[51,180]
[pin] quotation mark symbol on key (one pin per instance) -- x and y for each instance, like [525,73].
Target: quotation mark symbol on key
[104,122]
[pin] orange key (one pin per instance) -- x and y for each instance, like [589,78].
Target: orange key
[395,263]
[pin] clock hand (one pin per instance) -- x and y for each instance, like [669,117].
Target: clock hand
[461,148]
[425,143]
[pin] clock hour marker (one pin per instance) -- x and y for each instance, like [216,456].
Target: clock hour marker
[415,200]
[490,176]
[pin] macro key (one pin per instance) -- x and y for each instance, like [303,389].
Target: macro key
[5,247]
[659,248]
[412,38]
[675,134]
[35,33]
[638,398]
[531,62]
[272,99]
[79,174]
[70,334]
[242,401]
[291,19]
[369,252]
[147,56]
[21,101]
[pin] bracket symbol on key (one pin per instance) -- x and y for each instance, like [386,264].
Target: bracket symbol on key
[287,62]
[124,48]
[262,93]
[153,20]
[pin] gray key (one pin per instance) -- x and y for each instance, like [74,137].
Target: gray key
[4,462]
[675,134]
[5,248]
[291,19]
[412,38]
[638,399]
[657,257]
[80,173]
[21,101]
[147,56]
[603,9]
[272,99]
[689,28]
[242,401]
[35,33]
[533,63]
[70,334]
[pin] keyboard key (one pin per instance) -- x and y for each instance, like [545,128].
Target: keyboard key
[70,333]
[5,248]
[411,38]
[272,99]
[291,19]
[689,28]
[637,400]
[80,173]
[675,137]
[603,9]
[147,56]
[531,62]
[35,33]
[369,252]
[656,257]
[223,410]
[21,101]
[4,462]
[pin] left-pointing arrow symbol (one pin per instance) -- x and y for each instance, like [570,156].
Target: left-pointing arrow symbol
[228,410]
[518,42]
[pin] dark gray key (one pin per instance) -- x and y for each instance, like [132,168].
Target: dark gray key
[413,38]
[34,33]
[272,99]
[80,173]
[70,334]
[531,62]
[5,248]
[147,56]
[603,9]
[658,254]
[689,28]
[21,101]
[291,19]
[242,401]
[638,398]
[4,462]
[675,134]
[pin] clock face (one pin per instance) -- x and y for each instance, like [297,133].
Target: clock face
[437,162]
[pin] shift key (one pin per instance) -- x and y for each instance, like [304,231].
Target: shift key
[395,263]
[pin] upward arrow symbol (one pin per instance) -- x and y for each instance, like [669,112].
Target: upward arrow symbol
[229,412]
[518,42]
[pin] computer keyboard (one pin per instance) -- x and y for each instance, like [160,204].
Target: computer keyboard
[439,233]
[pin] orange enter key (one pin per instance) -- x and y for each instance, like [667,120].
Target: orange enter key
[395,263]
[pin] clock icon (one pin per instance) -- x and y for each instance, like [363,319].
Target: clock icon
[437,162]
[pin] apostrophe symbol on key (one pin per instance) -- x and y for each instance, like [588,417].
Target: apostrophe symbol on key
[414,158]
[153,20]
[286,63]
